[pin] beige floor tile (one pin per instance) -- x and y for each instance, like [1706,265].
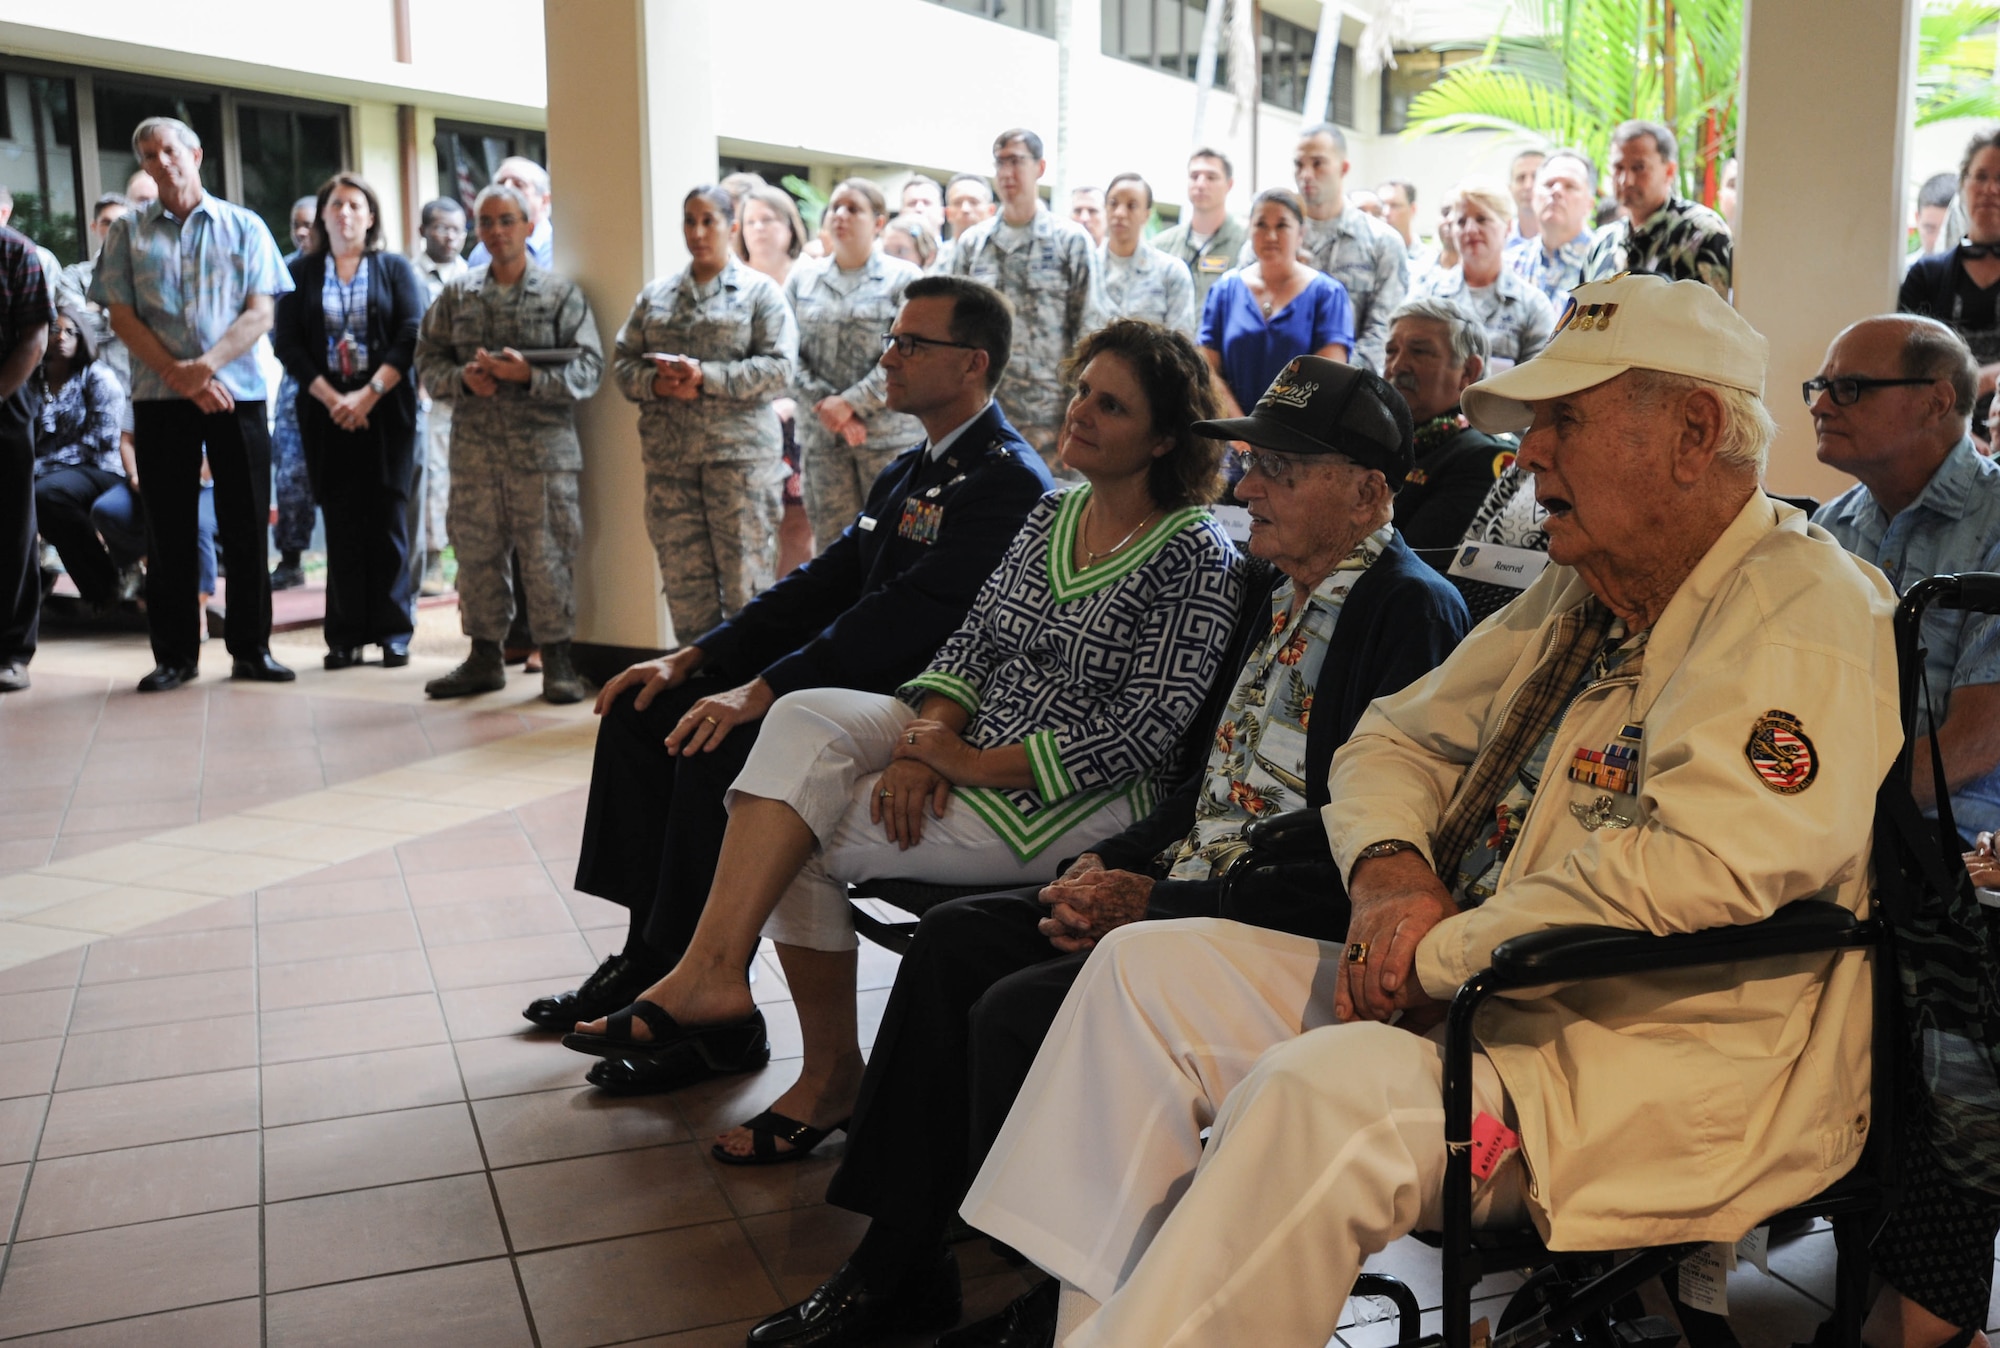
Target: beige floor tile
[239,911]
[141,1184]
[330,937]
[24,944]
[466,1306]
[365,1150]
[338,805]
[233,833]
[414,818]
[411,783]
[223,874]
[140,1113]
[157,1001]
[479,883]
[129,863]
[143,1053]
[615,1194]
[121,908]
[500,793]
[350,978]
[326,843]
[492,919]
[113,961]
[161,1266]
[611,1291]
[351,1027]
[295,902]
[482,1013]
[35,1015]
[563,959]
[27,1067]
[363,1233]
[21,1127]
[32,891]
[518,1065]
[226,1324]
[52,971]
[363,1083]
[553,1125]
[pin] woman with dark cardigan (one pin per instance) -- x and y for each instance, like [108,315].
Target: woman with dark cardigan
[348,334]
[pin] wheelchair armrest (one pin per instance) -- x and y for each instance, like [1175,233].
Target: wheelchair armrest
[1574,954]
[1297,835]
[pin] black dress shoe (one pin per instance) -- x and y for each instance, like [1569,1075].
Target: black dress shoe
[342,657]
[395,652]
[164,678]
[1028,1321]
[843,1311]
[616,985]
[260,667]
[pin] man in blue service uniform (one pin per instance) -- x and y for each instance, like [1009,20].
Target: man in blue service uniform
[866,613]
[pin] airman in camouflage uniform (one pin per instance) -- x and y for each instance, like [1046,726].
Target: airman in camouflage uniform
[1048,270]
[1149,285]
[842,316]
[715,468]
[514,454]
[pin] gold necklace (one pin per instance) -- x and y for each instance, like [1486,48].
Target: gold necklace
[1095,556]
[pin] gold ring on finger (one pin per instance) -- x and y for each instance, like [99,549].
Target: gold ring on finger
[710,720]
[888,795]
[1357,952]
[910,738]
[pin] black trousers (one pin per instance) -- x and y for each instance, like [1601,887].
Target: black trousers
[63,498]
[20,574]
[652,828]
[367,534]
[974,998]
[169,436]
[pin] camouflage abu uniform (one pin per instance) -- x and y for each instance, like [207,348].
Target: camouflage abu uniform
[715,468]
[1368,258]
[1149,285]
[1518,318]
[514,456]
[842,316]
[1048,270]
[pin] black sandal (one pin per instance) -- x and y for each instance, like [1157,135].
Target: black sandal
[730,1039]
[770,1128]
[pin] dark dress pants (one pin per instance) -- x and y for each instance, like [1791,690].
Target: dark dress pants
[20,572]
[169,435]
[367,534]
[974,998]
[63,498]
[653,824]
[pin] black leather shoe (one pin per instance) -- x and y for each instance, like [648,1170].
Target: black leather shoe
[843,1311]
[615,986]
[1028,1321]
[165,678]
[262,668]
[342,657]
[395,652]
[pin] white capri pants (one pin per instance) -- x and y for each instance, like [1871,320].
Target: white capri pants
[821,751]
[1327,1141]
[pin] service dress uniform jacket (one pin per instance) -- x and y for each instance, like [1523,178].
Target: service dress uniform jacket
[1051,278]
[523,427]
[1687,1106]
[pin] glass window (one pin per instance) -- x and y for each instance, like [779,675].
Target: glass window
[1414,72]
[121,105]
[1343,85]
[1034,16]
[1287,52]
[1164,34]
[468,154]
[38,161]
[286,153]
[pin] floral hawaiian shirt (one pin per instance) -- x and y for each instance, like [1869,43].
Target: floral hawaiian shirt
[1682,241]
[1258,762]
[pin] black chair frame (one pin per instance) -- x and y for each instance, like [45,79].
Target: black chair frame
[1593,1299]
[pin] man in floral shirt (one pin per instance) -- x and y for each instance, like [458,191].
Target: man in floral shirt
[1667,235]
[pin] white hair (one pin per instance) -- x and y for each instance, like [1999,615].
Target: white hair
[154,128]
[1744,440]
[533,172]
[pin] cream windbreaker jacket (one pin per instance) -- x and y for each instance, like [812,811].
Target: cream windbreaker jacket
[1692,1105]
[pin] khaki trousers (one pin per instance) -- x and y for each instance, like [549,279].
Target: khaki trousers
[1327,1141]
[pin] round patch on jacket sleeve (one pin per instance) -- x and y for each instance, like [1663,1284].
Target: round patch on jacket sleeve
[1781,754]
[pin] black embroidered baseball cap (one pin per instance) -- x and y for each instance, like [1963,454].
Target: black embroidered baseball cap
[1319,406]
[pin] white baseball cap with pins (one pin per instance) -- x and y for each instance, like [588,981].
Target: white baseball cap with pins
[1627,322]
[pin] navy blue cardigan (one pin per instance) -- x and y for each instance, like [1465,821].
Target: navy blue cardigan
[874,606]
[1397,624]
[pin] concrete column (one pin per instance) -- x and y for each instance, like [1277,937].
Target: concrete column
[1825,107]
[631,128]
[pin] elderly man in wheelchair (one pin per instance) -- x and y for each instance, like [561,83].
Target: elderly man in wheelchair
[1681,726]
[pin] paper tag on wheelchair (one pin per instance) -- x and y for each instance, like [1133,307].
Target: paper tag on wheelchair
[1755,1249]
[1704,1279]
[1491,1140]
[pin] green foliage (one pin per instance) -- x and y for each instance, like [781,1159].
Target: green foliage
[1591,64]
[812,202]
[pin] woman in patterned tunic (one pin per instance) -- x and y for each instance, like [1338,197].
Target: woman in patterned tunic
[844,303]
[1046,721]
[703,354]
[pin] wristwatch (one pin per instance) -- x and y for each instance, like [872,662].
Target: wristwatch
[381,389]
[1388,847]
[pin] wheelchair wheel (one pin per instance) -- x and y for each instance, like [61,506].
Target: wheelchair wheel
[1548,1289]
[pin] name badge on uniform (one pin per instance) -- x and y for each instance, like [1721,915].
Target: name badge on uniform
[867,523]
[921,520]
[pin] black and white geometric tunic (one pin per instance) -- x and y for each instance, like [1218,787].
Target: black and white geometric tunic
[1097,672]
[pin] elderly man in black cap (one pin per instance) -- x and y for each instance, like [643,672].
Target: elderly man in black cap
[1336,612]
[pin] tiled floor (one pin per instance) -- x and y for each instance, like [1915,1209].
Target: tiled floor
[305,1111]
